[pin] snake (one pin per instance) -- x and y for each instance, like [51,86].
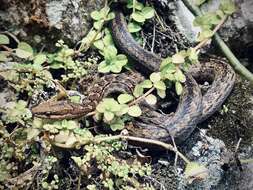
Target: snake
[193,108]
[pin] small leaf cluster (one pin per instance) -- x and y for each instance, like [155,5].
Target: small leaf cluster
[114,171]
[155,80]
[64,59]
[113,62]
[17,112]
[209,20]
[139,15]
[172,68]
[102,40]
[112,111]
[67,132]
[101,16]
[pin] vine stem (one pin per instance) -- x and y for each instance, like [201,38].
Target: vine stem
[132,138]
[141,97]
[218,26]
[234,62]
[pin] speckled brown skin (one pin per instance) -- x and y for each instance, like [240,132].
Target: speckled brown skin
[179,125]
[193,107]
[100,88]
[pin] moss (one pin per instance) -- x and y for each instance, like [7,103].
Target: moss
[237,122]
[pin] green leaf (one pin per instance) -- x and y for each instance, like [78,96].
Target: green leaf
[178,58]
[155,77]
[137,5]
[123,110]
[193,55]
[133,27]
[107,40]
[138,17]
[110,52]
[151,99]
[146,84]
[98,24]
[110,16]
[118,124]
[160,85]
[96,15]
[99,44]
[148,12]
[161,93]
[134,111]
[115,68]
[125,98]
[24,50]
[138,90]
[179,88]
[121,60]
[39,59]
[108,116]
[103,67]
[228,7]
[205,34]
[4,40]
[179,76]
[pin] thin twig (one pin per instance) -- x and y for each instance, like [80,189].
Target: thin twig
[204,42]
[98,140]
[141,97]
[153,40]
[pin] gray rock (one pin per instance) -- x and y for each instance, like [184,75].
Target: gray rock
[48,20]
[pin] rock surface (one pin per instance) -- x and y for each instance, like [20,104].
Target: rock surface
[47,21]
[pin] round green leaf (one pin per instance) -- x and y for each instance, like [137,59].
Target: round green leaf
[148,12]
[125,98]
[160,85]
[138,17]
[115,68]
[118,124]
[96,15]
[134,111]
[24,50]
[4,39]
[161,93]
[155,77]
[179,76]
[179,88]
[146,84]
[121,60]
[99,44]
[138,90]
[103,67]
[151,99]
[110,52]
[108,116]
[123,110]
[110,16]
[98,24]
[39,59]
[133,27]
